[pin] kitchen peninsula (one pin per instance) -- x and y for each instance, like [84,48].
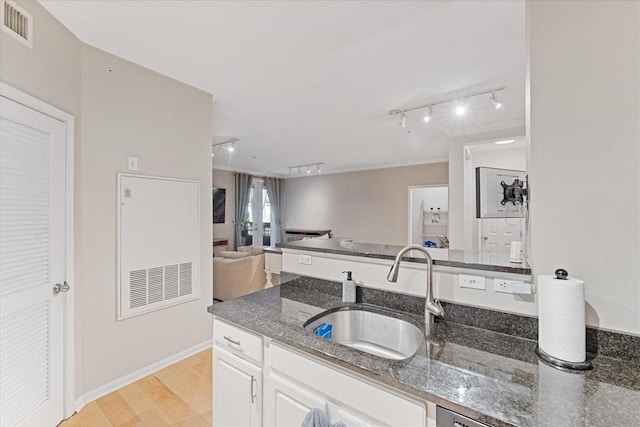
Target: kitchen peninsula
[491,377]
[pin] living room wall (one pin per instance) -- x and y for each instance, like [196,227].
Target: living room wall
[225,179]
[366,206]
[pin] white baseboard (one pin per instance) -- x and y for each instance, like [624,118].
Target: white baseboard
[125,380]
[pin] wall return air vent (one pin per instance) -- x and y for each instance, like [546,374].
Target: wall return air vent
[158,243]
[17,22]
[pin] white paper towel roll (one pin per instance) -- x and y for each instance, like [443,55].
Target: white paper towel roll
[561,318]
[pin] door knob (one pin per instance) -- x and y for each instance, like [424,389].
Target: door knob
[64,287]
[485,238]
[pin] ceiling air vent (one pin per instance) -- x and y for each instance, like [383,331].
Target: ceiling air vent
[17,22]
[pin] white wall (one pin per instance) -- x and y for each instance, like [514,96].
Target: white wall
[225,179]
[128,110]
[509,158]
[366,206]
[585,151]
[51,72]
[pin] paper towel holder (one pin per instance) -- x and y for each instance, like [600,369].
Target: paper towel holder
[563,364]
[562,274]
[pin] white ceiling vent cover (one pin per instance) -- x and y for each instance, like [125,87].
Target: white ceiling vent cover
[17,22]
[158,243]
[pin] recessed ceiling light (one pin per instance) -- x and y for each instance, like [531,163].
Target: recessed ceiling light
[506,141]
[230,148]
[461,110]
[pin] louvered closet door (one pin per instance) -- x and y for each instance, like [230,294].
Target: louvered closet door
[32,247]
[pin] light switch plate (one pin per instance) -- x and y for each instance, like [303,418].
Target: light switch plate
[132,163]
[473,282]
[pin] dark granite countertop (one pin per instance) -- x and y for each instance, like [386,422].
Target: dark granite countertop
[492,377]
[441,257]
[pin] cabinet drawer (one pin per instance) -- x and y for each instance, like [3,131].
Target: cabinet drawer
[348,390]
[237,340]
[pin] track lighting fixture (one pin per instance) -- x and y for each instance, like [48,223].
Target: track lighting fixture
[427,117]
[460,109]
[297,169]
[494,100]
[229,144]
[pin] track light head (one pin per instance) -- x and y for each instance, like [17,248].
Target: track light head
[427,117]
[494,100]
[403,120]
[231,148]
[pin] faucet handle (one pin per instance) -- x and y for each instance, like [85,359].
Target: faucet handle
[435,308]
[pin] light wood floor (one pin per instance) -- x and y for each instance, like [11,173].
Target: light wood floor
[179,395]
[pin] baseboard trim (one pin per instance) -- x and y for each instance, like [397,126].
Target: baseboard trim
[125,380]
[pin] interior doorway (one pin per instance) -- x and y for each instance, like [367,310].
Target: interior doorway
[493,235]
[428,216]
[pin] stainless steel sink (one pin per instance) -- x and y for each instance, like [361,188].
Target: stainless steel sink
[370,330]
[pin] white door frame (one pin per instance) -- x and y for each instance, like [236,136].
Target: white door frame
[29,101]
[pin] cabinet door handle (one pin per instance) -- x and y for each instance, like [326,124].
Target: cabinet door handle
[231,340]
[253,395]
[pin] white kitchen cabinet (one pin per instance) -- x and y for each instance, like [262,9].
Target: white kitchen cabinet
[295,383]
[286,404]
[237,391]
[343,396]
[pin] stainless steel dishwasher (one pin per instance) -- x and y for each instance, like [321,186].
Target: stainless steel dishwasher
[446,418]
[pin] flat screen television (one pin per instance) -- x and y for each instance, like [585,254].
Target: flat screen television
[219,199]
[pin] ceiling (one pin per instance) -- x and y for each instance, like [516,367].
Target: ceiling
[313,81]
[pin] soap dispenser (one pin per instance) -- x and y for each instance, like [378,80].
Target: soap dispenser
[348,289]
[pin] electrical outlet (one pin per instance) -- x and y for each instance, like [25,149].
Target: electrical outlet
[473,282]
[304,259]
[501,285]
[512,286]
